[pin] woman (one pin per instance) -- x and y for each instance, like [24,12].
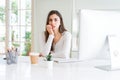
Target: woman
[57,38]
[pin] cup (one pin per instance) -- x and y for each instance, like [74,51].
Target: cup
[12,56]
[34,58]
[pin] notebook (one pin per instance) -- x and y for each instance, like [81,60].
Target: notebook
[114,50]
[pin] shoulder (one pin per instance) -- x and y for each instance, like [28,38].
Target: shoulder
[66,34]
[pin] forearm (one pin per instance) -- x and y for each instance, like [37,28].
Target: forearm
[47,45]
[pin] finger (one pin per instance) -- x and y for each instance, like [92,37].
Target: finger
[49,26]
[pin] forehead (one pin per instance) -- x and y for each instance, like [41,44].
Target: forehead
[54,16]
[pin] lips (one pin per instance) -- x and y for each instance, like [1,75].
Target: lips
[53,27]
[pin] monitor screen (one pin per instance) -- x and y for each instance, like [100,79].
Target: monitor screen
[95,26]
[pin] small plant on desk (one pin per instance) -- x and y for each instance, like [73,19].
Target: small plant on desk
[49,61]
[49,57]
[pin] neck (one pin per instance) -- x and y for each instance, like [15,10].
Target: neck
[57,33]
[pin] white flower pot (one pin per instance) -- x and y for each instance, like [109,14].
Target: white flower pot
[49,64]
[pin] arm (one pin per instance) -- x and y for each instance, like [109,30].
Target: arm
[47,45]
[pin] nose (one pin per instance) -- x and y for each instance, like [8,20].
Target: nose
[52,22]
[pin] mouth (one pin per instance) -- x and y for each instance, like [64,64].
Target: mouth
[53,27]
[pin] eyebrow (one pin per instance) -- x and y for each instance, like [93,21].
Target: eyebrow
[53,19]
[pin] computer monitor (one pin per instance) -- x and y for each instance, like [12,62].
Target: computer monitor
[95,26]
[114,51]
[114,46]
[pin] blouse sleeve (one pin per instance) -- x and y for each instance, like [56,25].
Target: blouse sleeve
[66,45]
[47,45]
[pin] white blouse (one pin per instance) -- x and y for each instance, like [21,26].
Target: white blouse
[61,48]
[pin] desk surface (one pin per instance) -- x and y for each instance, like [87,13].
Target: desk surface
[86,70]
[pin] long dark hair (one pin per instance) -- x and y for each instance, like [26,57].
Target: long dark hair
[61,27]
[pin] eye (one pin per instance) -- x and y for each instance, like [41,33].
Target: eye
[50,19]
[56,19]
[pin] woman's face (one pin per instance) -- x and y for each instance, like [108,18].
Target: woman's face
[54,21]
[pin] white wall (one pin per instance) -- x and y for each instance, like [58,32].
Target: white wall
[97,4]
[41,10]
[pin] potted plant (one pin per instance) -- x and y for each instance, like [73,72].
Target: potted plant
[49,57]
[49,61]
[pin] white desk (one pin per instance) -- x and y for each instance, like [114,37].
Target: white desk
[61,71]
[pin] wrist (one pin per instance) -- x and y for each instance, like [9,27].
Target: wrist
[51,35]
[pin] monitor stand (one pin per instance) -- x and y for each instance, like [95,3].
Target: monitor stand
[107,68]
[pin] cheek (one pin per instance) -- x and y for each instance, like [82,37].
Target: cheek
[56,27]
[58,24]
[49,23]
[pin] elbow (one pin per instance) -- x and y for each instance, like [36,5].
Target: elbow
[64,56]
